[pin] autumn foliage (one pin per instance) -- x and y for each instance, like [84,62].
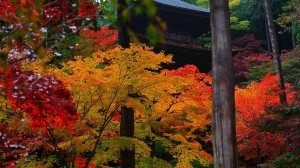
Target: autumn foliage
[42,97]
[103,39]
[35,26]
[77,105]
[51,11]
[248,52]
[252,105]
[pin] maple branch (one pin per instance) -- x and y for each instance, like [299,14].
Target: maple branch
[49,4]
[98,140]
[47,145]
[112,100]
[57,150]
[91,105]
[72,153]
[145,86]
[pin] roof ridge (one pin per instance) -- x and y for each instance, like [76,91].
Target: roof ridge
[182,4]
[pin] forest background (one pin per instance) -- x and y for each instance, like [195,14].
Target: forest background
[64,79]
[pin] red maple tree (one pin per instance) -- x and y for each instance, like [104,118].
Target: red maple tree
[43,98]
[102,39]
[252,106]
[248,52]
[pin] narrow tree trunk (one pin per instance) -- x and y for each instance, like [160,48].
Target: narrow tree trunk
[224,134]
[152,148]
[268,37]
[275,49]
[293,35]
[259,151]
[127,156]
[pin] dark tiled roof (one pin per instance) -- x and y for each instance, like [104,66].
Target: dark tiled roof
[181,4]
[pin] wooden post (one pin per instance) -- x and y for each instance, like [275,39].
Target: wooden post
[223,124]
[275,49]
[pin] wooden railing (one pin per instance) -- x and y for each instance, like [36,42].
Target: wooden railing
[179,40]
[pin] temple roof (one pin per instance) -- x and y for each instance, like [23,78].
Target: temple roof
[183,5]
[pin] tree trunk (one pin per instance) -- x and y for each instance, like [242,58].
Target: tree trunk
[123,25]
[127,130]
[127,156]
[223,124]
[268,37]
[293,35]
[275,49]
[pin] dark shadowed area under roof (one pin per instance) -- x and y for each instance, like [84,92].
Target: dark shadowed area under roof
[181,4]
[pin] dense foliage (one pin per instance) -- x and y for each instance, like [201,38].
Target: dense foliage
[101,84]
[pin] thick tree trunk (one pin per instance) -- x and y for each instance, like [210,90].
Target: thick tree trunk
[275,49]
[123,25]
[127,114]
[127,130]
[224,135]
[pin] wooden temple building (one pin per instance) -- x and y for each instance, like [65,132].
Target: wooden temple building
[185,24]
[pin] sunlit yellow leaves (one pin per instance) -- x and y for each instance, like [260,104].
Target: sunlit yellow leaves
[3,106]
[233,3]
[40,65]
[176,102]
[185,153]
[101,84]
[237,24]
[182,106]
